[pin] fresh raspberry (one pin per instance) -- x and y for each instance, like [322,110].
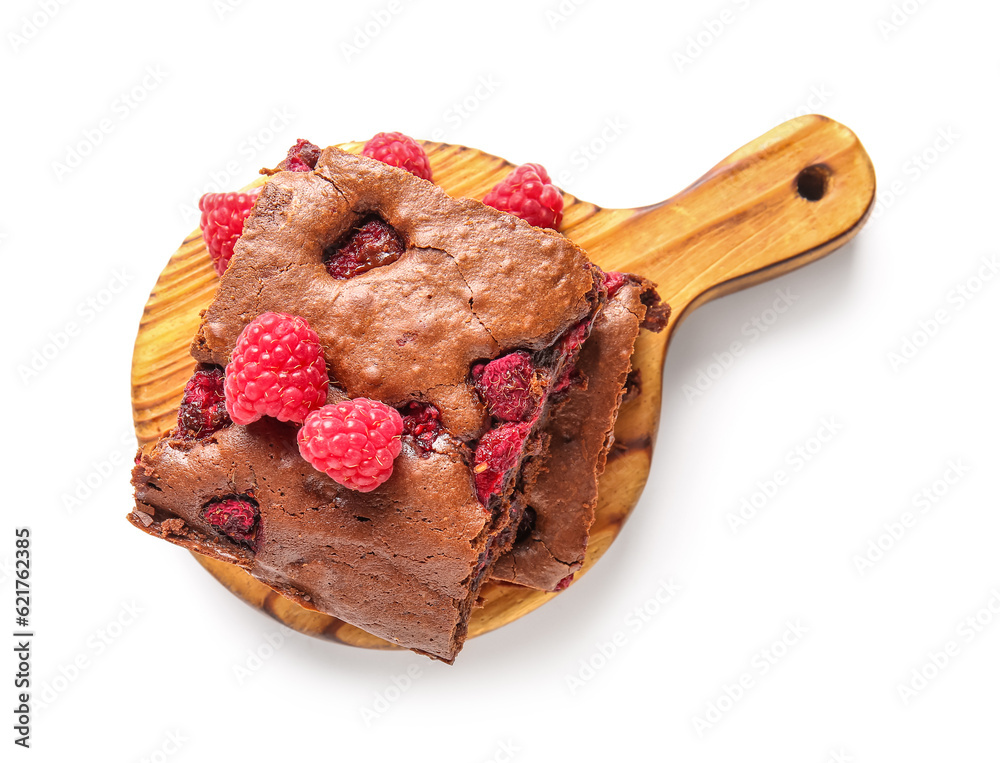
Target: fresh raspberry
[354,442]
[527,192]
[372,244]
[203,407]
[509,386]
[222,216]
[400,151]
[496,454]
[235,517]
[276,369]
[613,281]
[422,421]
[302,157]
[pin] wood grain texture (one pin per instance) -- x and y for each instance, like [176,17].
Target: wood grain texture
[780,202]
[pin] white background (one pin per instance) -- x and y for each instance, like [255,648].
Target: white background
[172,664]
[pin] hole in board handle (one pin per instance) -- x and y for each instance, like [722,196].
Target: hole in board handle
[812,182]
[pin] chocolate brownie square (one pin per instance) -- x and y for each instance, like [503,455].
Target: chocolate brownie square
[416,321]
[552,538]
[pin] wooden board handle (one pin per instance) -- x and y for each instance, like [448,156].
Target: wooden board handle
[783,200]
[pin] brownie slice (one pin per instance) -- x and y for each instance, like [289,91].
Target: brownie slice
[409,291]
[471,283]
[552,538]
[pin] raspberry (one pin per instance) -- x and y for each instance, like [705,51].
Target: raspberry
[222,216]
[372,244]
[509,386]
[496,454]
[401,151]
[235,517]
[613,281]
[354,442]
[203,407]
[302,157]
[527,192]
[422,421]
[276,369]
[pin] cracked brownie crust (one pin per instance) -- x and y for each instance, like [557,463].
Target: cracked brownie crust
[471,283]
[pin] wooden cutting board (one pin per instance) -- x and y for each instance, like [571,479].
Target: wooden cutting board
[785,199]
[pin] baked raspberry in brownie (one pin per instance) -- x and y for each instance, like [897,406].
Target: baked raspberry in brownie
[560,502]
[463,318]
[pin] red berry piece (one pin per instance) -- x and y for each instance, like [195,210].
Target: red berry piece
[565,583]
[400,151]
[572,340]
[235,517]
[510,386]
[222,217]
[569,348]
[302,157]
[527,192]
[497,453]
[422,422]
[613,281]
[203,407]
[276,369]
[354,442]
[372,244]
